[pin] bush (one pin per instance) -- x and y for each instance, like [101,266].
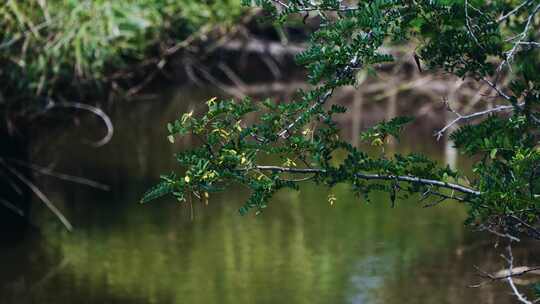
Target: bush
[49,46]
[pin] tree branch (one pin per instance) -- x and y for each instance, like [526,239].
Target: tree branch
[508,275]
[510,260]
[353,64]
[520,38]
[402,178]
[497,89]
[515,10]
[59,175]
[95,110]
[39,194]
[471,116]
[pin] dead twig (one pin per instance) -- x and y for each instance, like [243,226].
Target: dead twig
[62,176]
[39,194]
[86,107]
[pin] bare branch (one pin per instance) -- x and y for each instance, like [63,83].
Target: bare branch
[532,231]
[509,279]
[468,25]
[520,37]
[10,183]
[10,206]
[508,275]
[497,89]
[515,10]
[62,176]
[39,194]
[530,43]
[471,116]
[500,234]
[402,178]
[505,274]
[95,110]
[516,272]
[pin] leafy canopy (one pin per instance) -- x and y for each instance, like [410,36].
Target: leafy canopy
[297,141]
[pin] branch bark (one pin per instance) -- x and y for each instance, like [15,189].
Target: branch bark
[402,178]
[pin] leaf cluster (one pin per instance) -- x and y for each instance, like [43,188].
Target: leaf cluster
[267,146]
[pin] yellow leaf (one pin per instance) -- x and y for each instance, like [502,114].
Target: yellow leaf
[332,199]
[237,126]
[377,142]
[206,197]
[289,163]
[211,101]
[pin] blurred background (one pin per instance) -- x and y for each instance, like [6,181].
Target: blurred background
[86,90]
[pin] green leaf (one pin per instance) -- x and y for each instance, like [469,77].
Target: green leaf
[159,190]
[493,153]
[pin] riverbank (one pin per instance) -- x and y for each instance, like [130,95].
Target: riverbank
[79,50]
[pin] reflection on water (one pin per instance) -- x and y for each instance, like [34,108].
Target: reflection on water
[301,250]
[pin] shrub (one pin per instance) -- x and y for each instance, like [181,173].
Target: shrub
[48,47]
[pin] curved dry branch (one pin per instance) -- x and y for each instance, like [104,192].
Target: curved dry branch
[94,110]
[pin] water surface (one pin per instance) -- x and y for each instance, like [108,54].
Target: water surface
[301,250]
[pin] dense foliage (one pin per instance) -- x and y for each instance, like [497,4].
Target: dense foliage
[298,141]
[48,47]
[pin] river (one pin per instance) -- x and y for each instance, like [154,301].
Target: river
[300,250]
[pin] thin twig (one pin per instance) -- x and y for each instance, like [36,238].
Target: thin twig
[468,24]
[520,37]
[9,205]
[515,10]
[497,89]
[531,229]
[62,176]
[95,110]
[39,194]
[471,116]
[322,99]
[500,234]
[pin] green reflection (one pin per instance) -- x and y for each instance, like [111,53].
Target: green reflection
[301,250]
[304,252]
